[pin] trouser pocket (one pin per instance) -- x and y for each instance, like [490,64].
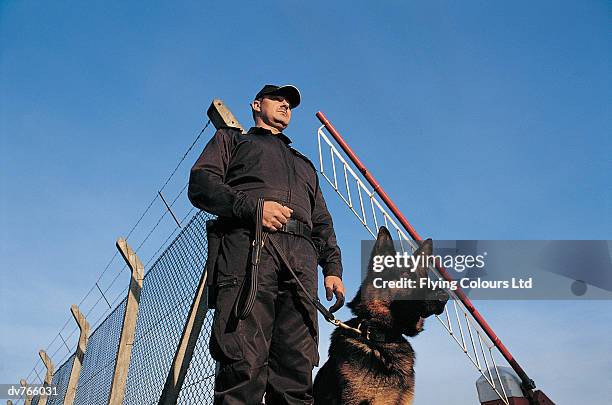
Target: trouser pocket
[226,341]
[214,236]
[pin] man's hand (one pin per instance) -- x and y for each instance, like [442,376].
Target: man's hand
[275,216]
[334,286]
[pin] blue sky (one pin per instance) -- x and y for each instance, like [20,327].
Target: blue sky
[482,121]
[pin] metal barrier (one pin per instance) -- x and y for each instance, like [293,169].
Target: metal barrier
[371,213]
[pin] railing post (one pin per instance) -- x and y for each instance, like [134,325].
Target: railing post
[124,352]
[77,364]
[48,375]
[28,397]
[220,116]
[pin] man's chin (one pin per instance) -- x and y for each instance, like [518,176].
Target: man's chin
[281,125]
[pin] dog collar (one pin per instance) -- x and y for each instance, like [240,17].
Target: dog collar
[377,335]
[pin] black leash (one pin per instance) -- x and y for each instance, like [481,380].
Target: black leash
[315,301]
[364,329]
[244,306]
[246,299]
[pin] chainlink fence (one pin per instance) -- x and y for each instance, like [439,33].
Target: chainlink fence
[60,379]
[167,292]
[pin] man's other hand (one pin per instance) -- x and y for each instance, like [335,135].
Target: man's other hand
[334,286]
[275,215]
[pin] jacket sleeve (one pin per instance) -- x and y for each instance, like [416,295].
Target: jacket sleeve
[324,238]
[207,189]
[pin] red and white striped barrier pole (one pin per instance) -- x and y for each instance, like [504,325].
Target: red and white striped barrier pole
[527,383]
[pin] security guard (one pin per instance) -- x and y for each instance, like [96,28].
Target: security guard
[255,179]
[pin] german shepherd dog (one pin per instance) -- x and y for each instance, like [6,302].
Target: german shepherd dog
[373,364]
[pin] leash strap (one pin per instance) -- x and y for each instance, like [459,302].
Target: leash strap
[315,301]
[361,329]
[244,306]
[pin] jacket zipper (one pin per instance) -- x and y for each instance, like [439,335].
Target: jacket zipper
[290,171]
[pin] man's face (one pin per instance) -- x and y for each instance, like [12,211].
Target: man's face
[273,112]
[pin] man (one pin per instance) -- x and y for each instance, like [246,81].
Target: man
[274,348]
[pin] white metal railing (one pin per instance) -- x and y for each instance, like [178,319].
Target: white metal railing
[365,205]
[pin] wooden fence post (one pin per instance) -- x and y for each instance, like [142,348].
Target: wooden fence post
[128,330]
[77,364]
[28,397]
[220,116]
[48,375]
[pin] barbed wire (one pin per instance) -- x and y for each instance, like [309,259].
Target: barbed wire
[160,219]
[176,228]
[124,291]
[64,340]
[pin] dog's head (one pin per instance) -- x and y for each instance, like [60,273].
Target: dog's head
[400,307]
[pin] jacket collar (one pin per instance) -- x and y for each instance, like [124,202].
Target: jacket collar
[262,131]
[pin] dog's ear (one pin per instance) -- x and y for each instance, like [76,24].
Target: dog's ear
[382,247]
[425,247]
[425,250]
[384,243]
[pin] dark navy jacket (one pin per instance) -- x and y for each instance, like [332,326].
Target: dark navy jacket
[236,169]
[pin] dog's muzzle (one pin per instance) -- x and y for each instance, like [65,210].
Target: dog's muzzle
[442,298]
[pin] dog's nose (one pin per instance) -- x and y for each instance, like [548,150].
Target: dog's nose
[443,296]
[439,309]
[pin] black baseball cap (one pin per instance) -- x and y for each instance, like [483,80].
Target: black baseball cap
[291,93]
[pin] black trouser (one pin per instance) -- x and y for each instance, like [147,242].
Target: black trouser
[273,350]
